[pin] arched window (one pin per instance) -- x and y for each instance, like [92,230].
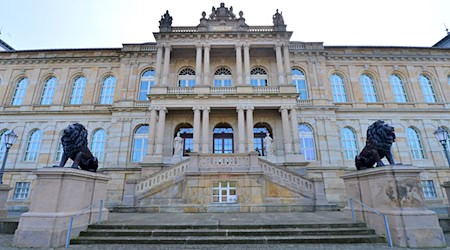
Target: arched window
[140,141]
[223,139]
[98,144]
[348,140]
[427,89]
[78,90]
[414,143]
[19,93]
[223,78]
[258,77]
[398,88]
[298,79]
[33,146]
[107,95]
[368,88]
[2,145]
[307,147]
[147,82]
[187,133]
[186,78]
[259,133]
[48,91]
[338,88]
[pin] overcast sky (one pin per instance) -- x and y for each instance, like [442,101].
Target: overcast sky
[47,24]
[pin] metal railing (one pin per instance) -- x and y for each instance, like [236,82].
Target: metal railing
[69,230]
[386,224]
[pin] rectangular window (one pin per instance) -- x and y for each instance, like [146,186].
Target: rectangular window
[21,191]
[429,191]
[224,192]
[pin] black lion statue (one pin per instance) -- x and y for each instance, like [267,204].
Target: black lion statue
[74,142]
[380,137]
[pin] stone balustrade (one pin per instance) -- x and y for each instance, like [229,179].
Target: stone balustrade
[224,160]
[161,177]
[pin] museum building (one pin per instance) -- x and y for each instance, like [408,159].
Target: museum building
[225,116]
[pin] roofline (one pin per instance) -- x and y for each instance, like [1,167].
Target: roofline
[66,49]
[6,46]
[380,47]
[442,40]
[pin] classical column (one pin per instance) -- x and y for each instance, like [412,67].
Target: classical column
[165,76]
[247,63]
[160,131]
[205,132]
[151,133]
[286,130]
[250,129]
[287,64]
[198,64]
[241,129]
[159,53]
[239,64]
[279,64]
[206,65]
[295,136]
[196,129]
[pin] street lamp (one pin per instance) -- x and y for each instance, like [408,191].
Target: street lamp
[8,140]
[442,136]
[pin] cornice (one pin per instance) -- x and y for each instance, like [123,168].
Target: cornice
[94,59]
[365,57]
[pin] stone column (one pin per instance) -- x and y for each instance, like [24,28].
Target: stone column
[160,132]
[151,133]
[250,146]
[247,64]
[159,53]
[239,64]
[165,76]
[196,129]
[279,64]
[286,130]
[395,191]
[206,66]
[198,64]
[287,64]
[295,136]
[205,132]
[241,129]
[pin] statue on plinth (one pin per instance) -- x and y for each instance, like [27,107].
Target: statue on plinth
[165,24]
[268,145]
[75,146]
[380,137]
[178,146]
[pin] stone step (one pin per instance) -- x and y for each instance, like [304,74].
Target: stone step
[323,239]
[227,226]
[227,232]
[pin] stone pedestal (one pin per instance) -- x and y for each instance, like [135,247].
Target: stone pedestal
[4,190]
[59,194]
[396,192]
[446,185]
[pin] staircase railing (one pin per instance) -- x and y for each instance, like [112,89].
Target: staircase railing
[292,180]
[386,224]
[161,177]
[69,230]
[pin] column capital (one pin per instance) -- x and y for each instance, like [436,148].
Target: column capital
[167,46]
[195,108]
[205,108]
[198,46]
[238,45]
[249,108]
[159,46]
[163,109]
[246,45]
[283,108]
[207,45]
[239,108]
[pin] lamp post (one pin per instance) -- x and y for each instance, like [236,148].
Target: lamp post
[442,136]
[8,140]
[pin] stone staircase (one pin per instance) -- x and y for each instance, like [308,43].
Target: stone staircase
[331,233]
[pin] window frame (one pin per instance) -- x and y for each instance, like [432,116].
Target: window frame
[348,137]
[398,88]
[428,189]
[108,89]
[48,92]
[142,138]
[98,144]
[20,91]
[428,91]
[187,78]
[259,77]
[415,144]
[147,77]
[33,146]
[228,197]
[78,89]
[307,142]
[338,86]
[223,77]
[368,88]
[299,81]
[19,193]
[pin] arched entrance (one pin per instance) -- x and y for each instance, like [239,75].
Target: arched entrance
[187,133]
[259,132]
[223,139]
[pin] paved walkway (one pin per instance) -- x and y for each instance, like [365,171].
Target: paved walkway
[223,219]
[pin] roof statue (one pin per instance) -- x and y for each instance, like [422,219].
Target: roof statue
[222,19]
[278,22]
[165,24]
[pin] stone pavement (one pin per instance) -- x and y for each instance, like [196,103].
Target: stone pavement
[223,219]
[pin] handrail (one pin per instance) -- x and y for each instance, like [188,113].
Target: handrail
[69,231]
[386,224]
